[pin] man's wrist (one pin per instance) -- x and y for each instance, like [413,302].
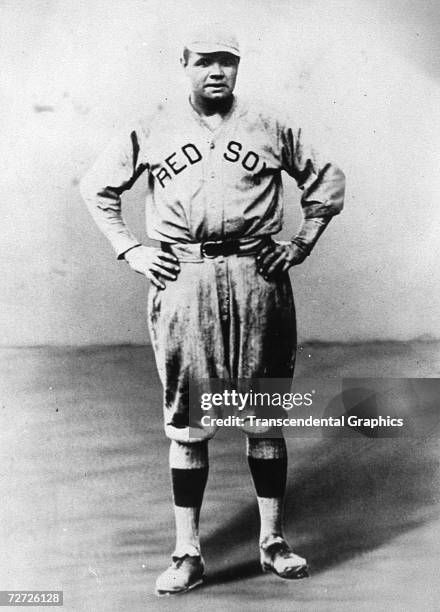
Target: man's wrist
[303,247]
[124,254]
[309,233]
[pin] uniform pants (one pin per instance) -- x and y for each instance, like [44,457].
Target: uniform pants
[219,319]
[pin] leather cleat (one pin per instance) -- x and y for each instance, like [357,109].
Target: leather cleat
[277,557]
[185,573]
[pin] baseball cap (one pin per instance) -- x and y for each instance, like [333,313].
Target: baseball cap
[212,38]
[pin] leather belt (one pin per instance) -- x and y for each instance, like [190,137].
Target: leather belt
[214,248]
[210,249]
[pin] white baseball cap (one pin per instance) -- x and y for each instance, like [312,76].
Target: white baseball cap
[212,38]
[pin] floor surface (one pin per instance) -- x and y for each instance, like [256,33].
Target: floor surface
[86,496]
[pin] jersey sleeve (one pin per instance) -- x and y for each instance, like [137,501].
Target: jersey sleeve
[322,182]
[114,172]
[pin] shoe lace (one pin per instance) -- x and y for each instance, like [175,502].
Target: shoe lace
[177,561]
[277,546]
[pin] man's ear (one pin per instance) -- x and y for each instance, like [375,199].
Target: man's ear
[183,62]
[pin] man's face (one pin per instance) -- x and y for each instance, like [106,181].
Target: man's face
[211,75]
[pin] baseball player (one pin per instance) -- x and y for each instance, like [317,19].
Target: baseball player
[220,302]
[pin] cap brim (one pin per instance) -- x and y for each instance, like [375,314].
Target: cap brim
[212,48]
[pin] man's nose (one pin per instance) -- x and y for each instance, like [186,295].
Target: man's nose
[217,70]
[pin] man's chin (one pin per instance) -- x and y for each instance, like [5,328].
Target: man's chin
[217,94]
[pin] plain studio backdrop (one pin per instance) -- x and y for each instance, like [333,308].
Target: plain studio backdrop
[83,471]
[361,75]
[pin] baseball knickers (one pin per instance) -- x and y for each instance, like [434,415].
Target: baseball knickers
[219,319]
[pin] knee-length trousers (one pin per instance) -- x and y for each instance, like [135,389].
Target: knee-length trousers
[219,319]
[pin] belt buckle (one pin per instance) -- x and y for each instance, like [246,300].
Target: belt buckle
[210,249]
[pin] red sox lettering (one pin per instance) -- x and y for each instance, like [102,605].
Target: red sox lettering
[189,155]
[188,152]
[250,160]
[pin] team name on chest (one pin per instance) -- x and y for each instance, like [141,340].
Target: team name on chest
[190,154]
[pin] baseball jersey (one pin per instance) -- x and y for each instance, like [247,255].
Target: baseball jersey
[209,184]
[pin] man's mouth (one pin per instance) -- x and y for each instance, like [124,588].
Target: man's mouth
[216,85]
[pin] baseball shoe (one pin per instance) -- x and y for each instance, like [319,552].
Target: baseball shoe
[277,557]
[185,573]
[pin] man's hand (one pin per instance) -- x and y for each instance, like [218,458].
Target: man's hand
[153,263]
[278,257]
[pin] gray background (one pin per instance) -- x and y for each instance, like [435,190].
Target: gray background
[83,470]
[361,75]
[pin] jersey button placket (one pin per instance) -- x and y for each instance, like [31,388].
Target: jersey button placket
[212,160]
[216,223]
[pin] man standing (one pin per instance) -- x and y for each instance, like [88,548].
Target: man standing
[220,304]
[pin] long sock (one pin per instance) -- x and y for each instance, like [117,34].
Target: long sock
[189,473]
[267,458]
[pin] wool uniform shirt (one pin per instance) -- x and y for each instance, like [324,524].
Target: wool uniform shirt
[209,184]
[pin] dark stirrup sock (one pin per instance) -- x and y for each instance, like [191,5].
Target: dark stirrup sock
[269,476]
[267,459]
[189,486]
